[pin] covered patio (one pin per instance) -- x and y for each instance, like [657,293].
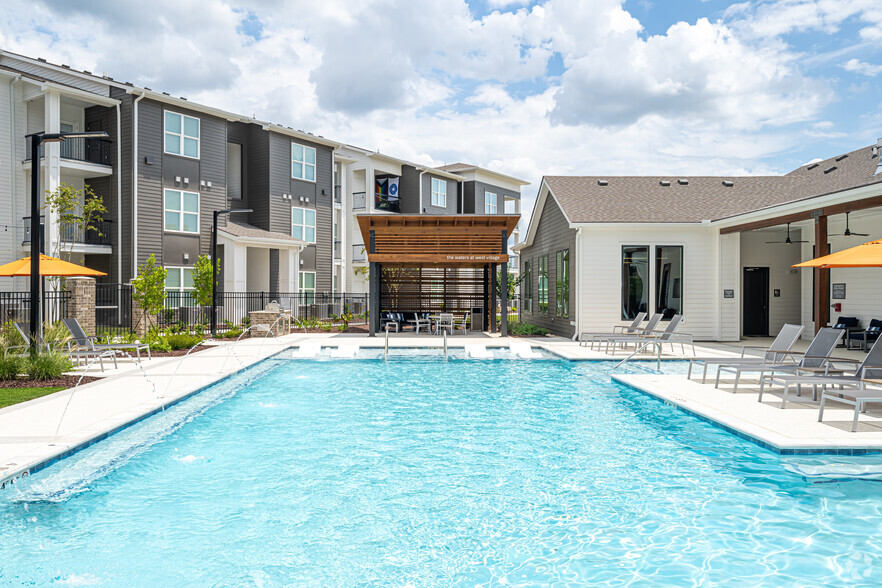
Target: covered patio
[428,264]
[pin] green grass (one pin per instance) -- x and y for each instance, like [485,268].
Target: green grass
[10,396]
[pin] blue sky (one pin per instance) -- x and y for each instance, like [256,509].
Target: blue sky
[529,88]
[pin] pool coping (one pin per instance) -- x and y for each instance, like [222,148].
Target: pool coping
[744,429]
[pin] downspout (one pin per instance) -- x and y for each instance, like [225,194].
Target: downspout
[576,257]
[420,209]
[118,195]
[135,185]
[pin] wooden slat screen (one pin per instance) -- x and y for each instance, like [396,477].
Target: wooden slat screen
[432,289]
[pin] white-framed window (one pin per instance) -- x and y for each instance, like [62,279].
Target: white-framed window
[439,193]
[489,203]
[302,162]
[307,285]
[181,211]
[178,286]
[181,134]
[303,224]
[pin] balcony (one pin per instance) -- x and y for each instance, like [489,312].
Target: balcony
[359,253]
[359,200]
[82,149]
[69,233]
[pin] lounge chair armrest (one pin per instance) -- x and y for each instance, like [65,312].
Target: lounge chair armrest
[757,347]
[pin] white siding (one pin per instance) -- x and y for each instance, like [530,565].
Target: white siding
[779,258]
[730,279]
[600,274]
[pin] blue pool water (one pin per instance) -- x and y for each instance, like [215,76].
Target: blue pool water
[420,472]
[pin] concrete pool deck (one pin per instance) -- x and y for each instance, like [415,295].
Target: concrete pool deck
[28,437]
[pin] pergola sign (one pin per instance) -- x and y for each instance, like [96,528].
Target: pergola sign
[441,263]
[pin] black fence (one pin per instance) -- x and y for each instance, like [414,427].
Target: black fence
[16,306]
[233,308]
[113,309]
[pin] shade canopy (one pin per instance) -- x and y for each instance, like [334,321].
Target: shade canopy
[49,266]
[866,255]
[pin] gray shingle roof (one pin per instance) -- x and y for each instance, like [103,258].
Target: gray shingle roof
[644,199]
[252,232]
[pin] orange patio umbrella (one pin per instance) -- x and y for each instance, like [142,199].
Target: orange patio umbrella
[866,255]
[49,266]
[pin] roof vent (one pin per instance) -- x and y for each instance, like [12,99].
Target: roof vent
[65,66]
[812,166]
[683,182]
[841,157]
[603,182]
[41,59]
[829,169]
[664,183]
[728,183]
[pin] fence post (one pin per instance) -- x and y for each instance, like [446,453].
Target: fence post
[81,304]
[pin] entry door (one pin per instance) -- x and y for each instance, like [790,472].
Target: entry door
[756,302]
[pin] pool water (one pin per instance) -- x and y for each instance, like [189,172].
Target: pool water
[424,472]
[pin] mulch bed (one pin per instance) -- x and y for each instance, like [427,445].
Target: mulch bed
[65,381]
[353,329]
[174,353]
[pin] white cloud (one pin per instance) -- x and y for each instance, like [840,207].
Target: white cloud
[862,67]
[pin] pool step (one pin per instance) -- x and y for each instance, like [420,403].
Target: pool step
[307,350]
[523,350]
[347,351]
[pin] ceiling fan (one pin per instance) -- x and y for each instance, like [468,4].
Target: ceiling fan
[848,232]
[788,241]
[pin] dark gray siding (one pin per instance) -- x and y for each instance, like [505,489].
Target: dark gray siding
[468,197]
[257,180]
[99,118]
[480,189]
[320,196]
[452,193]
[552,235]
[409,190]
[213,170]
[149,197]
[124,216]
[274,270]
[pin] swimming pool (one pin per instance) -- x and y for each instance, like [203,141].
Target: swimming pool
[424,472]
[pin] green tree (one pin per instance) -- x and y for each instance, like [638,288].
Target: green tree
[514,280]
[148,289]
[77,211]
[202,280]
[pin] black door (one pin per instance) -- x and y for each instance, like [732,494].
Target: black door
[756,302]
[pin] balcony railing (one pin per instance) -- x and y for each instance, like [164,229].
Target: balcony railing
[70,233]
[338,195]
[82,149]
[359,253]
[359,200]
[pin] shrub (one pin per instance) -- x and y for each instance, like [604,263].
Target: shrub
[232,333]
[11,366]
[47,365]
[183,340]
[522,329]
[157,341]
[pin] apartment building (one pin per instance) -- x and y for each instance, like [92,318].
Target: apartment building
[172,163]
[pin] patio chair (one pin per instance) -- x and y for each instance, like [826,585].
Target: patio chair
[650,326]
[86,342]
[873,361]
[660,337]
[462,323]
[445,321]
[420,321]
[849,324]
[387,320]
[865,337]
[633,328]
[85,355]
[777,352]
[816,356]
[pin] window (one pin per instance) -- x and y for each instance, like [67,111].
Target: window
[543,283]
[178,286]
[181,211]
[489,203]
[527,286]
[669,280]
[307,286]
[303,224]
[562,284]
[302,162]
[635,280]
[181,134]
[439,193]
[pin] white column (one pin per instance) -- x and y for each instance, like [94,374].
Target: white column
[51,165]
[287,270]
[235,273]
[344,225]
[295,286]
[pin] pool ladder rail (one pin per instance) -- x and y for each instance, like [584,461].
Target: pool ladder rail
[658,348]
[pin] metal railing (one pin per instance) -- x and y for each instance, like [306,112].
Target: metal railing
[70,233]
[359,200]
[16,306]
[113,309]
[82,149]
[359,253]
[233,308]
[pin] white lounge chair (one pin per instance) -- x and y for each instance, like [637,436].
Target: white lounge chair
[658,337]
[631,329]
[477,351]
[307,350]
[816,356]
[777,352]
[86,342]
[346,351]
[649,328]
[523,350]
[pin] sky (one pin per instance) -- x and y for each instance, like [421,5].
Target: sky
[528,88]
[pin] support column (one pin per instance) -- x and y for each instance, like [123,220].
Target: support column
[81,304]
[51,168]
[486,299]
[492,297]
[503,290]
[822,276]
[373,288]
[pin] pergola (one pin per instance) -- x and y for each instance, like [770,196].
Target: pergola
[432,263]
